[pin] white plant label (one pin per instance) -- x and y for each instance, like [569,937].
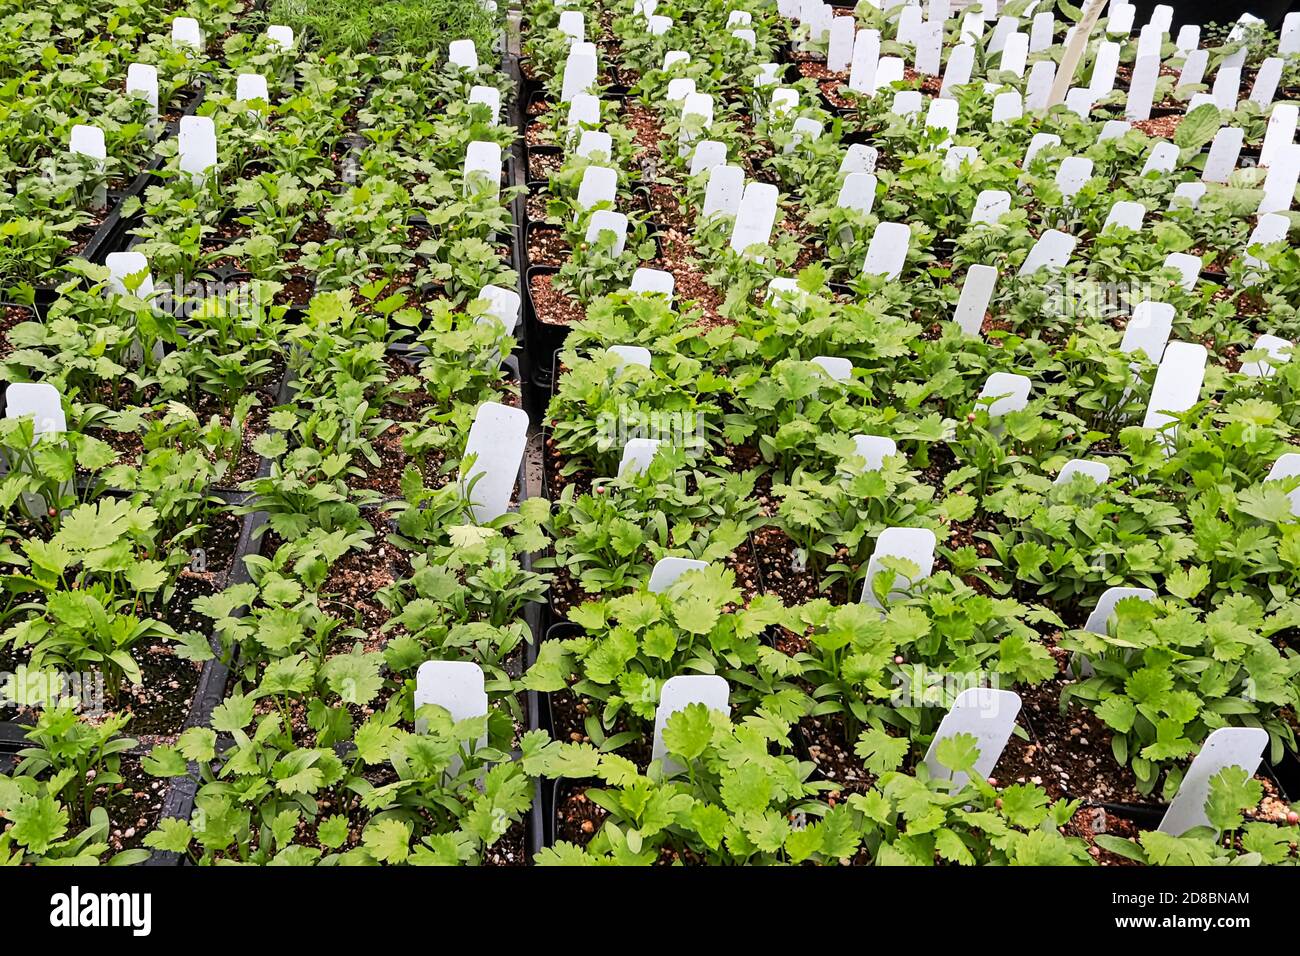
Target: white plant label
[866,59]
[599,184]
[1194,64]
[1040,142]
[1075,171]
[1120,21]
[637,455]
[197,146]
[1279,351]
[929,48]
[658,25]
[907,103]
[807,130]
[1079,101]
[1289,40]
[1142,88]
[1001,31]
[976,293]
[1098,471]
[942,114]
[860,158]
[1287,466]
[1162,17]
[1099,619]
[1052,251]
[1224,151]
[1226,747]
[858,192]
[784,100]
[463,54]
[88,141]
[584,110]
[1280,131]
[673,57]
[1178,384]
[957,155]
[490,97]
[1162,159]
[840,369]
[888,250]
[1007,107]
[1266,80]
[1040,31]
[39,400]
[873,449]
[1005,392]
[987,714]
[1015,54]
[142,81]
[186,32]
[1104,69]
[1279,187]
[280,36]
[503,306]
[911,544]
[121,266]
[579,73]
[722,197]
[1150,40]
[607,220]
[679,693]
[1271,228]
[251,86]
[1113,129]
[990,206]
[909,23]
[960,63]
[630,355]
[889,70]
[573,25]
[1188,267]
[483,168]
[1148,329]
[756,217]
[839,55]
[496,441]
[1227,87]
[680,88]
[708,153]
[1125,214]
[652,280]
[1188,39]
[456,686]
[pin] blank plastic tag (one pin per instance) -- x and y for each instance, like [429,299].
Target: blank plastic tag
[1148,329]
[637,455]
[888,250]
[1074,172]
[976,292]
[1005,392]
[1040,31]
[1280,131]
[584,110]
[1014,54]
[1099,619]
[496,440]
[929,49]
[1104,69]
[858,192]
[630,355]
[573,25]
[1079,101]
[456,686]
[1188,266]
[874,449]
[1279,351]
[1052,251]
[1227,87]
[837,368]
[503,306]
[1162,159]
[39,400]
[839,55]
[673,57]
[666,571]
[251,86]
[680,88]
[1178,383]
[942,114]
[806,130]
[462,54]
[889,70]
[678,693]
[990,206]
[859,158]
[607,220]
[186,32]
[1120,20]
[1113,129]
[1040,142]
[579,73]
[483,168]
[1142,88]
[142,81]
[912,544]
[708,153]
[1289,40]
[1098,471]
[490,97]
[699,105]
[960,63]
[1266,80]
[986,713]
[1226,747]
[121,265]
[197,146]
[280,36]
[1189,193]
[1007,107]
[1193,71]
[906,103]
[909,22]
[756,217]
[1279,187]
[1125,214]
[88,141]
[1003,29]
[783,101]
[599,184]
[722,196]
[1287,466]
[658,25]
[1268,230]
[652,280]
[1222,159]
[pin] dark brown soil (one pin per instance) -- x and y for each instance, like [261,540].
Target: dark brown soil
[552,306]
